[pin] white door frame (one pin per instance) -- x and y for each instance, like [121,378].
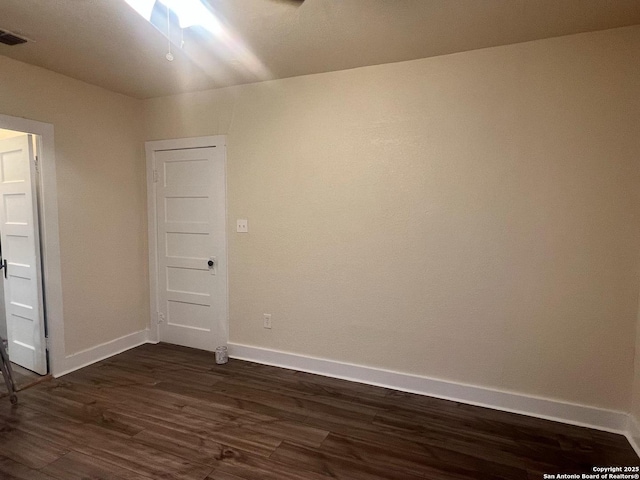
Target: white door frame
[219,141]
[49,236]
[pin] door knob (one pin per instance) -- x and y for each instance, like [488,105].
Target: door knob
[210,263]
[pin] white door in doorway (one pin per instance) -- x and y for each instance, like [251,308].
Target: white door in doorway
[191,246]
[21,254]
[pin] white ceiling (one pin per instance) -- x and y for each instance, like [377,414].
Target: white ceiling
[106,43]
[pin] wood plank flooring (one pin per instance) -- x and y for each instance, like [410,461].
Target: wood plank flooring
[167,412]
[22,378]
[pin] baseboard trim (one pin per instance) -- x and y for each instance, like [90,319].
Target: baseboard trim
[549,409]
[100,352]
[633,433]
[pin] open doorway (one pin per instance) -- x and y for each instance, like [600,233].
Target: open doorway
[22,313]
[49,237]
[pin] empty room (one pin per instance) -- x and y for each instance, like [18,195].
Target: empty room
[311,239]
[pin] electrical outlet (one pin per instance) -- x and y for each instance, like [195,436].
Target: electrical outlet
[242,225]
[267,320]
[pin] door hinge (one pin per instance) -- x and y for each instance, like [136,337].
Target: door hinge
[160,317]
[155,176]
[47,343]
[36,163]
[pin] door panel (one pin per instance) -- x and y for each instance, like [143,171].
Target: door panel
[20,248]
[190,201]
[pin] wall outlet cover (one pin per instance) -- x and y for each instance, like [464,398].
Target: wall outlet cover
[242,225]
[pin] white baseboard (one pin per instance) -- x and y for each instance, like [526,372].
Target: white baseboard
[559,411]
[565,412]
[91,355]
[633,433]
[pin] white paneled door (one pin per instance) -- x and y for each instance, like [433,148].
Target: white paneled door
[21,254]
[192,270]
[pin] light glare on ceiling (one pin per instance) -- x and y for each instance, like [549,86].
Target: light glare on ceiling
[189,12]
[194,13]
[143,7]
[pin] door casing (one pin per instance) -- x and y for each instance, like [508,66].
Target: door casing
[218,141]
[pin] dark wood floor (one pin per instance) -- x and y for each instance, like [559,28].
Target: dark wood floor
[166,412]
[22,378]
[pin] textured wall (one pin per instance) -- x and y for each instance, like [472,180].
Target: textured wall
[472,217]
[101,198]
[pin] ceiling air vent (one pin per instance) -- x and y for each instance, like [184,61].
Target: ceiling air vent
[11,39]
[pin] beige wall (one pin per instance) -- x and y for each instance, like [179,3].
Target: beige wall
[101,198]
[472,217]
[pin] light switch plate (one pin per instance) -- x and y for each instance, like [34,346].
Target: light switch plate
[242,225]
